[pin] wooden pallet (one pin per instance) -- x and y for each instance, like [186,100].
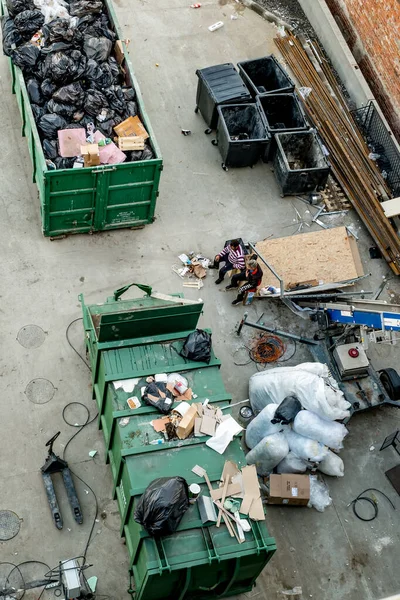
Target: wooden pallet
[333,197]
[131,143]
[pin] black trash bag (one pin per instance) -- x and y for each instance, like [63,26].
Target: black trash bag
[148,154]
[26,57]
[11,36]
[38,111]
[197,345]
[56,47]
[50,148]
[50,124]
[94,102]
[115,70]
[28,22]
[74,126]
[78,116]
[14,7]
[106,127]
[131,109]
[134,156]
[59,108]
[64,163]
[64,67]
[162,505]
[91,70]
[97,48]
[156,394]
[59,30]
[70,94]
[48,88]
[80,8]
[129,93]
[84,122]
[116,98]
[34,91]
[98,29]
[287,410]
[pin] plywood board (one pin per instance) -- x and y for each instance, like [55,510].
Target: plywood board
[327,256]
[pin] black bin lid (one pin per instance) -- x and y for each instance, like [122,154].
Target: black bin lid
[224,83]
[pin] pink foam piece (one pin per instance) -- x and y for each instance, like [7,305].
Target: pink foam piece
[70,141]
[110,154]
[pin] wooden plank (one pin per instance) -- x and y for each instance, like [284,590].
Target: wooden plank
[131,143]
[391,208]
[227,479]
[326,256]
[233,488]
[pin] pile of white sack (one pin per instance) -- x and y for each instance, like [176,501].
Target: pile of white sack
[295,428]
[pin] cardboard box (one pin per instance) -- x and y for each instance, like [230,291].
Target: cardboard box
[186,425]
[289,489]
[91,155]
[132,126]
[119,52]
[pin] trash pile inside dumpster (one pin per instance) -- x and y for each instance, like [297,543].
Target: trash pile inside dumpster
[71,61]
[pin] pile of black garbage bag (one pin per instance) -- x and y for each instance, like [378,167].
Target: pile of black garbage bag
[73,79]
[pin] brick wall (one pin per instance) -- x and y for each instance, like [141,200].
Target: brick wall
[372,31]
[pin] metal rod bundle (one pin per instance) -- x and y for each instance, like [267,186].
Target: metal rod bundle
[348,153]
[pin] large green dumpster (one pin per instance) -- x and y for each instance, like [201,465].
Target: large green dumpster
[96,198]
[131,339]
[197,561]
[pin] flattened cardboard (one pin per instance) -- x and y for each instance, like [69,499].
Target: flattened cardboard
[186,425]
[208,425]
[119,52]
[252,504]
[197,423]
[290,489]
[159,424]
[233,488]
[131,126]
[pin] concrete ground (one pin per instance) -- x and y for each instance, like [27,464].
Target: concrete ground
[331,555]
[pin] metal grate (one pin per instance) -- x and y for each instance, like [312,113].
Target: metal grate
[380,142]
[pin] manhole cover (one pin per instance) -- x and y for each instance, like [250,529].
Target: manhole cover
[31,336]
[40,391]
[9,525]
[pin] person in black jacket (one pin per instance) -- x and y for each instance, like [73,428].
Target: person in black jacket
[252,276]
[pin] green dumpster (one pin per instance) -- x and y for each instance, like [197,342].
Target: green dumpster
[96,198]
[197,561]
[132,339]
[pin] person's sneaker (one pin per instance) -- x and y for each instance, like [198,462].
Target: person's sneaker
[230,287]
[219,280]
[236,302]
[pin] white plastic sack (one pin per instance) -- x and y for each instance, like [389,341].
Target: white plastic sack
[268,453]
[261,426]
[332,465]
[319,494]
[52,9]
[293,464]
[304,447]
[309,382]
[311,425]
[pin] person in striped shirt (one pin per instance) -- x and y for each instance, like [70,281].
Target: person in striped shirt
[233,258]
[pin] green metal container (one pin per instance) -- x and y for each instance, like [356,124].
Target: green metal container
[197,561]
[131,339]
[96,198]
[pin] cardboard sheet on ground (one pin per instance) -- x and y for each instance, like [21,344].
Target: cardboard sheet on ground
[128,385]
[327,256]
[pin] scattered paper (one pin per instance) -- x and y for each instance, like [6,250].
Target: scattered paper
[92,453]
[224,435]
[128,385]
[92,583]
[161,377]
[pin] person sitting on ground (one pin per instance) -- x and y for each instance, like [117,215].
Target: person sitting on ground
[233,258]
[252,276]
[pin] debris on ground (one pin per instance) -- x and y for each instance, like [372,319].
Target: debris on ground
[194,269]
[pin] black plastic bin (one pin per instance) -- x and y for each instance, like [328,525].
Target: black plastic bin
[300,165]
[265,76]
[281,113]
[241,135]
[220,84]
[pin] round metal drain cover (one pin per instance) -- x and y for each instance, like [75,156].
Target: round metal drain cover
[40,391]
[31,336]
[9,525]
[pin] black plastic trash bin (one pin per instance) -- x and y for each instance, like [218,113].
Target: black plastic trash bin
[241,135]
[220,84]
[281,113]
[300,165]
[265,76]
